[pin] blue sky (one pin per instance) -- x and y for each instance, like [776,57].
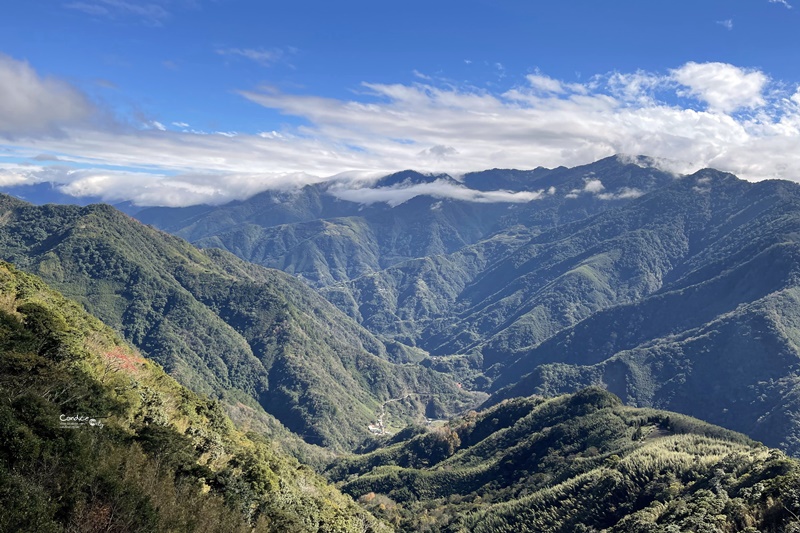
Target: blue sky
[185,101]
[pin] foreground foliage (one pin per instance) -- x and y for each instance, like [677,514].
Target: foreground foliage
[164,458]
[582,462]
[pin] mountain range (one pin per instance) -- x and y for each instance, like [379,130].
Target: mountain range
[672,292]
[333,231]
[364,317]
[581,462]
[96,437]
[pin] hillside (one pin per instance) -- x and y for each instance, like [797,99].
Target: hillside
[258,339]
[520,286]
[717,339]
[582,462]
[93,437]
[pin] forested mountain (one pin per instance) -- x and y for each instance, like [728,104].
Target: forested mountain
[682,299]
[576,463]
[93,437]
[260,339]
[333,232]
[96,438]
[676,293]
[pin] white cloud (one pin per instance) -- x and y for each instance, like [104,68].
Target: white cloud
[733,119]
[727,23]
[14,175]
[675,167]
[784,3]
[31,105]
[625,193]
[150,188]
[636,87]
[440,151]
[438,189]
[545,83]
[725,88]
[593,186]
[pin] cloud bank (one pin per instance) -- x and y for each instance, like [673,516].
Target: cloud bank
[438,189]
[150,188]
[699,114]
[31,105]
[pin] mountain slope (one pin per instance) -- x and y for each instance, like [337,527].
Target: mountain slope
[718,340]
[738,370]
[683,298]
[220,325]
[575,463]
[95,438]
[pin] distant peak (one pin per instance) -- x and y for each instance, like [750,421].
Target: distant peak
[410,177]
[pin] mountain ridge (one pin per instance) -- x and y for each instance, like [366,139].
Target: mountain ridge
[381,235]
[632,279]
[578,462]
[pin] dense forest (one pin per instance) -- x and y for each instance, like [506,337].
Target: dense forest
[93,437]
[581,462]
